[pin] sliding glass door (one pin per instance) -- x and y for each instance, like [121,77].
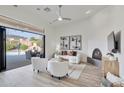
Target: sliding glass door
[21,46]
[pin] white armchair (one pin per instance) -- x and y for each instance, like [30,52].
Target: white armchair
[58,69]
[39,64]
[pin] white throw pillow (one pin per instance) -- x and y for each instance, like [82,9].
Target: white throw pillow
[112,78]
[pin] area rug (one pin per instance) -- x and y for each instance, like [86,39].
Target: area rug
[75,70]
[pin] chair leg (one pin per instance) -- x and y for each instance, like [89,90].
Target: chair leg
[67,74]
[59,78]
[38,71]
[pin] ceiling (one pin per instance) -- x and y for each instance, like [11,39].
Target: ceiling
[30,13]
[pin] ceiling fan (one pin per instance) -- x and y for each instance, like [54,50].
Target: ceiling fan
[60,18]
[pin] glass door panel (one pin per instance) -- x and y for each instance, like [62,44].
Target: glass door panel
[21,46]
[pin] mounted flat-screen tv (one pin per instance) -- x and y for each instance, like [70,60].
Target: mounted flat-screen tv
[111,42]
[114,42]
[118,41]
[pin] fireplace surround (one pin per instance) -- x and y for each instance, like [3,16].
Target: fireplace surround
[96,58]
[97,54]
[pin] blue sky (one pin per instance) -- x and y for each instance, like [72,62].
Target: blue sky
[21,33]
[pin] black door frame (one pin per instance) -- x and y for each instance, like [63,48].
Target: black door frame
[2,48]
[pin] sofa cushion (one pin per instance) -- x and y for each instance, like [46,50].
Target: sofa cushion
[70,53]
[64,52]
[74,53]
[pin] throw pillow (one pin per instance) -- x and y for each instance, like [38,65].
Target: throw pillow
[112,78]
[106,83]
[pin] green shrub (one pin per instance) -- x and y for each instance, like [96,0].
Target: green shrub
[23,47]
[10,46]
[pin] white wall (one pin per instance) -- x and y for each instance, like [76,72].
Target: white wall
[95,30]
[76,28]
[102,24]
[50,42]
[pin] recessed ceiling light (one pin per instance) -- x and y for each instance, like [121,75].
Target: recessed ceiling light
[47,9]
[38,9]
[15,5]
[88,12]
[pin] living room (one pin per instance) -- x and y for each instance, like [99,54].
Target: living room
[95,30]
[69,41]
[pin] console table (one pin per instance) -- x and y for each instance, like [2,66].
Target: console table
[111,66]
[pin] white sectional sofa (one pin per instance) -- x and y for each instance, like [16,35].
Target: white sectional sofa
[71,58]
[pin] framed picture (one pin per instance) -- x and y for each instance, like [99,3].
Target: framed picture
[64,42]
[75,42]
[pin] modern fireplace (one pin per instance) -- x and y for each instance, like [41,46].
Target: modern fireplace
[97,54]
[96,58]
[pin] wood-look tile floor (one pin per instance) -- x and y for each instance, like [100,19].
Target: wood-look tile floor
[25,77]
